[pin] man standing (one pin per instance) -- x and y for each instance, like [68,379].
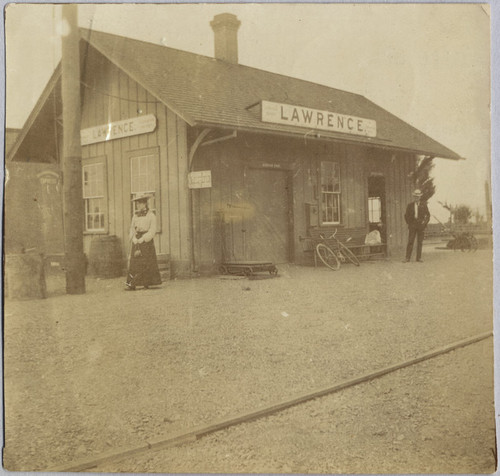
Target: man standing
[417,216]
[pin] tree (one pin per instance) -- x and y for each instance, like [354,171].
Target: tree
[450,208]
[462,214]
[423,179]
[458,213]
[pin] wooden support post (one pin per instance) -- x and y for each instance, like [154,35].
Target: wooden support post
[72,155]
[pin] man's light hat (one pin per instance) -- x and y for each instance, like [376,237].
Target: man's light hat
[417,192]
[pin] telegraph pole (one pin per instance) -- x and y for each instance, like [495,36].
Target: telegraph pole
[72,153]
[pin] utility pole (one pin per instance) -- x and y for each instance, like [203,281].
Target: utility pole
[72,153]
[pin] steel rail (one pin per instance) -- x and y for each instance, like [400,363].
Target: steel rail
[180,438]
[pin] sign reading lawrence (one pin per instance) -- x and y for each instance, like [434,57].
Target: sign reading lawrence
[316,119]
[119,129]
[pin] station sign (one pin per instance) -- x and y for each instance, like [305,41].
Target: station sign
[118,130]
[317,119]
[201,179]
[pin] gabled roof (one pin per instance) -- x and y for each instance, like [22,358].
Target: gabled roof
[208,92]
[41,127]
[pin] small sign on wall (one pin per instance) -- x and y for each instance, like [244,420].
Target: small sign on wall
[201,179]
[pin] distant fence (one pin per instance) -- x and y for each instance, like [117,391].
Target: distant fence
[436,230]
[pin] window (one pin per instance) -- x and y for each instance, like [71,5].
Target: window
[374,209]
[330,193]
[94,196]
[144,178]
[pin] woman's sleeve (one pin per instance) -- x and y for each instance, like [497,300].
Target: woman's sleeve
[150,234]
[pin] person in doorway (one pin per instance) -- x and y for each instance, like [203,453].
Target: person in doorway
[143,267]
[417,216]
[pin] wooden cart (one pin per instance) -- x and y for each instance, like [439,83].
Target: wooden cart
[248,268]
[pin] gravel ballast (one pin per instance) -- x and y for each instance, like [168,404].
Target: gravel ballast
[88,374]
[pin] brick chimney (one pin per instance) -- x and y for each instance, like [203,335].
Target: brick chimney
[225,26]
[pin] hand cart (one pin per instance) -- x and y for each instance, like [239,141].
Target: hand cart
[248,268]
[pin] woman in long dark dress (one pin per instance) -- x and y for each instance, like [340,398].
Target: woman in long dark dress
[143,267]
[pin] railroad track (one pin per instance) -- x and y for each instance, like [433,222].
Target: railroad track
[194,434]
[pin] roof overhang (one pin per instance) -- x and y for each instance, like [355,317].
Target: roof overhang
[318,135]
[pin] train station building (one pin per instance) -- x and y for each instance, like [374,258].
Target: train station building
[242,164]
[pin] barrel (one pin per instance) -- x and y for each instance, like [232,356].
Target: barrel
[25,276]
[105,257]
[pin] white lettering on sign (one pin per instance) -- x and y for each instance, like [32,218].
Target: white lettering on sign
[118,130]
[267,165]
[201,179]
[317,119]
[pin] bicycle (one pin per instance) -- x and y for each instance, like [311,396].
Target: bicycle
[334,258]
[464,242]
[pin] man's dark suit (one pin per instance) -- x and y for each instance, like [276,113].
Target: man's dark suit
[416,227]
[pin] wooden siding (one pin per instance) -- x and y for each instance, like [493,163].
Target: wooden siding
[109,96]
[222,212]
[229,160]
[201,227]
[353,187]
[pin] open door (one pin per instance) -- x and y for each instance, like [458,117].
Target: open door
[376,205]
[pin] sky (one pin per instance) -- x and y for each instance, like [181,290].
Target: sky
[428,64]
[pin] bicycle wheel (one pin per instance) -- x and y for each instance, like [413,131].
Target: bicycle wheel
[348,254]
[461,243]
[327,256]
[473,243]
[468,245]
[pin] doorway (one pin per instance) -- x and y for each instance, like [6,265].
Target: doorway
[260,228]
[377,205]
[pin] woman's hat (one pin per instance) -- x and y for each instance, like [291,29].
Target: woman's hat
[417,193]
[142,197]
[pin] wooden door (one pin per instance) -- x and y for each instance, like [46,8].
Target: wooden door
[266,222]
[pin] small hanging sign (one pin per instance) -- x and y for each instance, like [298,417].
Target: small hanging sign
[201,179]
[268,165]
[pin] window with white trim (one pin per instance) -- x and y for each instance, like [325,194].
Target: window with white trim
[94,196]
[144,178]
[330,192]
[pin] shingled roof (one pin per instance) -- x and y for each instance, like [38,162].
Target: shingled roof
[208,92]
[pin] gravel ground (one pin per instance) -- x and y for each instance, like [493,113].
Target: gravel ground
[88,374]
[410,421]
